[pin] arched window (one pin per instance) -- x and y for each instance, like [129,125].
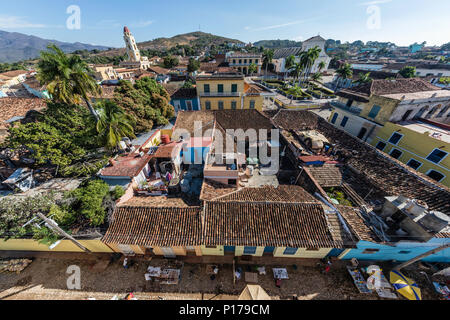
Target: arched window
[443,111]
[432,111]
[421,112]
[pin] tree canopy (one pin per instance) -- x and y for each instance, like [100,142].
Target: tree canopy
[146,101]
[408,72]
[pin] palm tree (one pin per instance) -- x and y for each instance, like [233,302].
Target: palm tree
[252,69]
[344,72]
[289,63]
[67,78]
[365,78]
[297,70]
[297,91]
[267,58]
[317,77]
[322,66]
[310,58]
[113,124]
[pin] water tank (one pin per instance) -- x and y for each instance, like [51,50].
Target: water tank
[435,221]
[165,139]
[416,208]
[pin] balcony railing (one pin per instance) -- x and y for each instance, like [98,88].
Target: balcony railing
[340,105]
[220,94]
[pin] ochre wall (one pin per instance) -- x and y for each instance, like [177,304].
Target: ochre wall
[218,251]
[417,146]
[63,246]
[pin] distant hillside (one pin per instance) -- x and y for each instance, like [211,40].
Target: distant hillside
[194,39]
[277,44]
[17,46]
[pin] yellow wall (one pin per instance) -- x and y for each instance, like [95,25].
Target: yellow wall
[417,146]
[63,246]
[387,107]
[258,102]
[302,253]
[215,102]
[218,251]
[213,84]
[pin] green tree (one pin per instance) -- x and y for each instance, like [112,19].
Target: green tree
[193,65]
[297,70]
[253,68]
[170,62]
[322,66]
[147,101]
[188,85]
[408,72]
[344,72]
[317,77]
[90,199]
[267,59]
[365,78]
[67,78]
[114,124]
[289,63]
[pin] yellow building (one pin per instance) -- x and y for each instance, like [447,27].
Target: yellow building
[363,110]
[423,145]
[228,91]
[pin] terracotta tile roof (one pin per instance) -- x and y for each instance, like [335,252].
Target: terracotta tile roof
[282,193]
[158,70]
[357,224]
[129,165]
[243,119]
[212,189]
[171,87]
[270,224]
[13,74]
[18,107]
[159,202]
[373,170]
[185,121]
[162,227]
[209,67]
[185,93]
[167,150]
[326,175]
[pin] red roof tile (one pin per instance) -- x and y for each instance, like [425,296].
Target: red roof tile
[267,224]
[126,166]
[162,227]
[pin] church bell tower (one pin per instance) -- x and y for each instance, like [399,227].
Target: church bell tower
[132,49]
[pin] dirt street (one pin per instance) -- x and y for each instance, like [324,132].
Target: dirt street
[46,279]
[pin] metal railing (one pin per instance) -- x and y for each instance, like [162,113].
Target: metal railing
[220,94]
[340,105]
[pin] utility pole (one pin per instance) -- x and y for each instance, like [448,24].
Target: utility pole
[423,255]
[57,229]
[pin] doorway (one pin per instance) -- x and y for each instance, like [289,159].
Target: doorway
[362,133]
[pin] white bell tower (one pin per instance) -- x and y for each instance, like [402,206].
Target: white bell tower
[132,49]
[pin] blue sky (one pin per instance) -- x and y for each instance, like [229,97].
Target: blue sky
[400,21]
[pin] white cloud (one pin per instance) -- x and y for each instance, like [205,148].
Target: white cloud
[277,26]
[13,22]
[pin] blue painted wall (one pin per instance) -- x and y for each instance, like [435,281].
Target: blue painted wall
[410,250]
[183,106]
[195,154]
